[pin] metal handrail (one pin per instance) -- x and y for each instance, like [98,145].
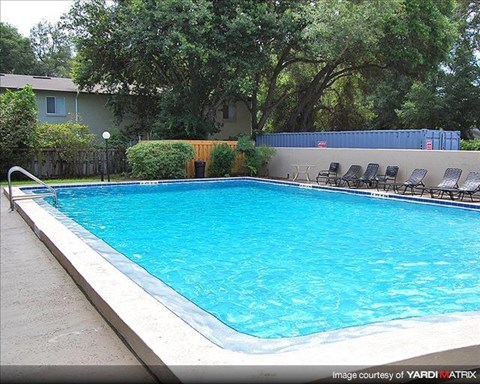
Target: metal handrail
[16,168]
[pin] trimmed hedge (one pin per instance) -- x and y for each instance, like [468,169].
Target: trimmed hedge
[159,159]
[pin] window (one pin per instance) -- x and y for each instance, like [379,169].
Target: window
[55,105]
[229,112]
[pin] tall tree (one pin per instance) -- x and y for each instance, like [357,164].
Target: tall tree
[345,38]
[192,56]
[16,55]
[162,51]
[450,97]
[52,48]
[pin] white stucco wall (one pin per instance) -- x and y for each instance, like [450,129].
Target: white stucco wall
[434,161]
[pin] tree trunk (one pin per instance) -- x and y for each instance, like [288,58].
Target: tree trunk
[301,118]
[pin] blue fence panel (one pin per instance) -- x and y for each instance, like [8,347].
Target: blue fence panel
[390,139]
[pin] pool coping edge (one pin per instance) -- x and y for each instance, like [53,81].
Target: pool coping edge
[184,347]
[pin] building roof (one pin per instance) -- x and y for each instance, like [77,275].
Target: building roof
[43,83]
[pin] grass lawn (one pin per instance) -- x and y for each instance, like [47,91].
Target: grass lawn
[63,181]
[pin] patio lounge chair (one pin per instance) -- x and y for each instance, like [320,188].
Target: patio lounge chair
[414,181]
[449,182]
[330,174]
[388,179]
[368,176]
[352,174]
[470,186]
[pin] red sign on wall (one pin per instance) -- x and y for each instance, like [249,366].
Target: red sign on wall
[322,144]
[429,144]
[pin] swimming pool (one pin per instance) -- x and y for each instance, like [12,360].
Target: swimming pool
[152,317]
[274,261]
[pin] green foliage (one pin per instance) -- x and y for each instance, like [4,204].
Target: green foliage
[418,36]
[52,48]
[421,107]
[137,112]
[18,119]
[246,145]
[449,98]
[263,155]
[470,145]
[280,57]
[344,107]
[174,119]
[221,161]
[168,53]
[386,91]
[160,160]
[256,158]
[446,95]
[117,140]
[67,137]
[16,55]
[337,42]
[47,52]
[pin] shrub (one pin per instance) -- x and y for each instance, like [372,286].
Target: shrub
[262,157]
[256,158]
[159,159]
[221,161]
[470,145]
[67,139]
[18,119]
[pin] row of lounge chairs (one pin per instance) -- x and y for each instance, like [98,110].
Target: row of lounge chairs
[354,178]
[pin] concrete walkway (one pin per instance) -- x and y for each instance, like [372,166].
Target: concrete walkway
[50,332]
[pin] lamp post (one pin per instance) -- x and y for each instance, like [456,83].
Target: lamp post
[106,136]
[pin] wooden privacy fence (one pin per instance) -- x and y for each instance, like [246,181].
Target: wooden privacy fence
[203,151]
[52,163]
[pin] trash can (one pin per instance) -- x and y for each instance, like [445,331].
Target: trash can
[199,169]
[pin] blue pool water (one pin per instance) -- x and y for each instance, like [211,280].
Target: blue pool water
[278,261]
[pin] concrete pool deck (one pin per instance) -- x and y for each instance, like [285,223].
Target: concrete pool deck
[181,347]
[49,329]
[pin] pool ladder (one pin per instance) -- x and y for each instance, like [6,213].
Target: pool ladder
[51,193]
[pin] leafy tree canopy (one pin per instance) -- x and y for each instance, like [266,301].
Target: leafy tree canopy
[449,98]
[16,54]
[52,49]
[280,57]
[48,51]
